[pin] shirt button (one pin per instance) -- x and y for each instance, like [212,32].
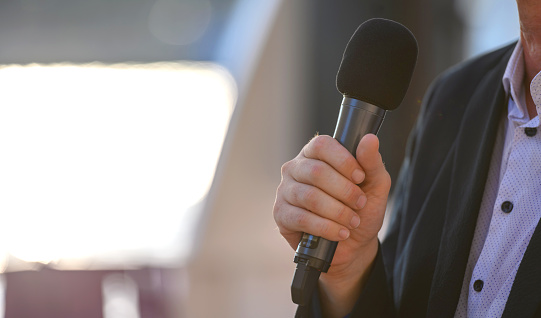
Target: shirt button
[478,285]
[507,207]
[530,132]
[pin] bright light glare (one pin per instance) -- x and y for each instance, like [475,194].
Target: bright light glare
[120,297]
[108,162]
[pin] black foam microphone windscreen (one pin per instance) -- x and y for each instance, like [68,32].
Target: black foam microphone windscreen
[378,63]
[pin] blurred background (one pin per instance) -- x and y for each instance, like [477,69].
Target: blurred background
[141,142]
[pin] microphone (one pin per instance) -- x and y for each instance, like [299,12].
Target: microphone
[374,76]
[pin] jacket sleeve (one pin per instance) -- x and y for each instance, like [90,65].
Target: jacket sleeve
[375,299]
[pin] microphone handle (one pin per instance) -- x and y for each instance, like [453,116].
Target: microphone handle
[314,254]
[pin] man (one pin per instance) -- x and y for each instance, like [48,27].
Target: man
[463,239]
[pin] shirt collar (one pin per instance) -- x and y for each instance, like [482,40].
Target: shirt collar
[535,90]
[512,78]
[513,85]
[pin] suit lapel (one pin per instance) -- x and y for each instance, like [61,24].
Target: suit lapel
[474,146]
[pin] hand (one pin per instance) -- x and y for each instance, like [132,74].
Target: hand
[326,192]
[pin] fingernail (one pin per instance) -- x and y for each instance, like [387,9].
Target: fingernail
[358,176]
[355,221]
[344,234]
[361,202]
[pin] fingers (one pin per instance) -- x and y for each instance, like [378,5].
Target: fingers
[322,176]
[317,201]
[319,192]
[292,221]
[329,150]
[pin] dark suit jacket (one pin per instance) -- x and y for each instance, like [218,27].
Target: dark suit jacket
[421,264]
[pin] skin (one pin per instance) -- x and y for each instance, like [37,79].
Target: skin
[325,191]
[529,12]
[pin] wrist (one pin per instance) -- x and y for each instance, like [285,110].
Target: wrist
[340,288]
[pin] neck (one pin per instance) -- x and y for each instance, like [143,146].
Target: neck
[529,12]
[530,36]
[532,54]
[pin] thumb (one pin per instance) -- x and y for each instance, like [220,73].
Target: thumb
[370,160]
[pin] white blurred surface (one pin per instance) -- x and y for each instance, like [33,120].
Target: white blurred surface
[106,165]
[120,297]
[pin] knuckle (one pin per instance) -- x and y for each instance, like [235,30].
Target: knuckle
[319,143]
[301,219]
[295,193]
[286,167]
[291,195]
[310,198]
[316,170]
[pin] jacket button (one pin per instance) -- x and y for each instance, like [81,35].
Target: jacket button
[530,132]
[478,285]
[507,207]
